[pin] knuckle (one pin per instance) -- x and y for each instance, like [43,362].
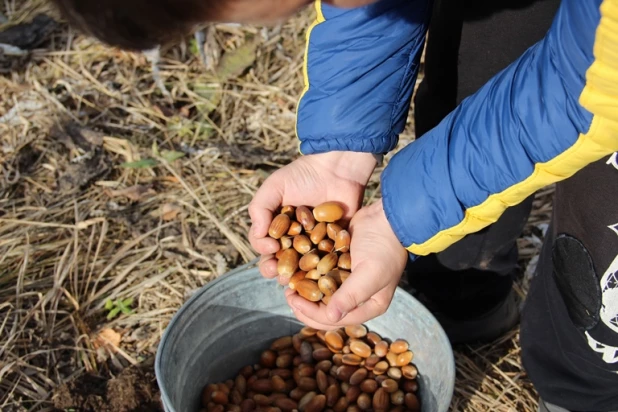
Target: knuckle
[253,208]
[349,299]
[382,306]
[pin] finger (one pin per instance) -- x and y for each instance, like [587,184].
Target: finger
[264,246]
[316,314]
[264,204]
[302,304]
[374,307]
[293,298]
[351,209]
[268,267]
[306,320]
[359,288]
[364,282]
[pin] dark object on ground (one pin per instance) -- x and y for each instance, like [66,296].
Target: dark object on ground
[134,390]
[28,36]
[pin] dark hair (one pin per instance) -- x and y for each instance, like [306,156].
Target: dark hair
[135,24]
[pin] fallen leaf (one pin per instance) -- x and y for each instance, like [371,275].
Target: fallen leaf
[107,338]
[155,149]
[92,137]
[170,179]
[221,264]
[185,111]
[171,155]
[210,96]
[73,136]
[170,211]
[140,164]
[235,62]
[134,193]
[81,175]
[163,110]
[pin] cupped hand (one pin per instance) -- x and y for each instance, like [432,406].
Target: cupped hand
[309,181]
[378,261]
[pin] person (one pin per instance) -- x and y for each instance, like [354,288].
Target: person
[516,96]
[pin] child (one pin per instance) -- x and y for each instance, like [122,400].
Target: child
[454,201]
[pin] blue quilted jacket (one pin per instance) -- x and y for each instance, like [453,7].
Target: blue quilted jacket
[540,120]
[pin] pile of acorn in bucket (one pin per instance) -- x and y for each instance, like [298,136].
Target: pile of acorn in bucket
[347,369]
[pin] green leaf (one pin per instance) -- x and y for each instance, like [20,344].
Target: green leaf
[170,156]
[126,311]
[194,47]
[109,304]
[140,164]
[206,132]
[210,96]
[235,62]
[124,305]
[112,314]
[181,127]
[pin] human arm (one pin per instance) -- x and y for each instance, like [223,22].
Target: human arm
[360,70]
[539,121]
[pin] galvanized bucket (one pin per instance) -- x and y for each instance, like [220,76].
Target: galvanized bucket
[227,323]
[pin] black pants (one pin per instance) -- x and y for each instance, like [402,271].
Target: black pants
[569,325]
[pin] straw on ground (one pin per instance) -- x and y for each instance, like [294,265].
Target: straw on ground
[90,210]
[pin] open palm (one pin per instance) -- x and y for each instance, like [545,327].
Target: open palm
[378,260]
[309,180]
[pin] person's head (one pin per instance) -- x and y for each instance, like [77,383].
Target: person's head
[144,24]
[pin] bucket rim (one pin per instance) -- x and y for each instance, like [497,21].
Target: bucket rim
[164,396]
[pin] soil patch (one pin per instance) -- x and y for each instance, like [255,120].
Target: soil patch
[134,390]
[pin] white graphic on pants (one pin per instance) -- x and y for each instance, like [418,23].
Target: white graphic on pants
[613,160]
[609,309]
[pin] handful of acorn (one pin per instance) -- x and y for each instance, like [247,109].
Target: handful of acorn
[315,249]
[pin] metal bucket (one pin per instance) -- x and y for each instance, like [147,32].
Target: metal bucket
[227,324]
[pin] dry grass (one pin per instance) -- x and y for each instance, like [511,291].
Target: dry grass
[77,228]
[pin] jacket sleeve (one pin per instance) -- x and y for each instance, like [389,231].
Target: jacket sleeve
[539,121]
[360,71]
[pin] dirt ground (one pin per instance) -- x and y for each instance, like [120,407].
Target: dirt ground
[119,199]
[133,390]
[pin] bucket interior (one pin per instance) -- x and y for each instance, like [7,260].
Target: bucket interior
[228,323]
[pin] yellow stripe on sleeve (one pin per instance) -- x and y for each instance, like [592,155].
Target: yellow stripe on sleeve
[319,19]
[600,97]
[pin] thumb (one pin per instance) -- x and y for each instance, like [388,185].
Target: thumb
[364,282]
